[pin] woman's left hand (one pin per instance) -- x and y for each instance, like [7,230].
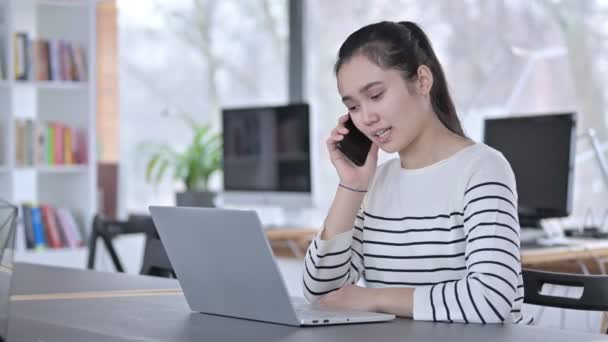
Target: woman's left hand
[351,297]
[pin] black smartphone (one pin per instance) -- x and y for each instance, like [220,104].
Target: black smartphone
[355,144]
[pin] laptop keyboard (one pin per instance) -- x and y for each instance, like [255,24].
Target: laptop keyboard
[304,309]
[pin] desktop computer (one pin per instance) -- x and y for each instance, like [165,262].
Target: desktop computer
[267,161]
[541,151]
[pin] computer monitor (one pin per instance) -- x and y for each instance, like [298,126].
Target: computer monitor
[541,151]
[267,156]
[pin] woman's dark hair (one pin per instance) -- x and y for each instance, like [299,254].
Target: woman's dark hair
[405,47]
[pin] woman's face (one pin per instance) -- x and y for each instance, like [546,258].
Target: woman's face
[380,104]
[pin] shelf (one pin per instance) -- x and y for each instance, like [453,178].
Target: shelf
[70,103]
[55,168]
[65,257]
[62,3]
[59,85]
[62,168]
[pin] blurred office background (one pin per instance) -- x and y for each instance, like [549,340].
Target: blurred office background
[500,57]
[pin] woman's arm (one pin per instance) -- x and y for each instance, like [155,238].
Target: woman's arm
[397,301]
[335,257]
[492,256]
[342,213]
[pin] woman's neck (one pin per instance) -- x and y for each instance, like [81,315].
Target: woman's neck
[434,143]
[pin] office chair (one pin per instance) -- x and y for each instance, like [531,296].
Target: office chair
[593,298]
[154,262]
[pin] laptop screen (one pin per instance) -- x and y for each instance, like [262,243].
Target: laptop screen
[8,223]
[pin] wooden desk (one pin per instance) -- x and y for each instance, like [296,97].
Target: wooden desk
[588,251]
[290,241]
[582,249]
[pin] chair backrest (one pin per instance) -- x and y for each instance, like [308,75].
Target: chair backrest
[593,298]
[154,260]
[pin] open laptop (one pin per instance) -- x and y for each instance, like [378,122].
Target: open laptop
[225,267]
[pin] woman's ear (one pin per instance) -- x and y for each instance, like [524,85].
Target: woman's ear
[424,80]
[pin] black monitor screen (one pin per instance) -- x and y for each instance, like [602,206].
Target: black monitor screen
[267,149]
[540,150]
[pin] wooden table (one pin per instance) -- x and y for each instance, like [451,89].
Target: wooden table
[294,242]
[581,249]
[290,241]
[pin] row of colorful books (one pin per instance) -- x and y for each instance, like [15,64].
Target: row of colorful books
[48,60]
[49,227]
[49,143]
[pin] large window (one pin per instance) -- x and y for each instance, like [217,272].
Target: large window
[194,57]
[500,57]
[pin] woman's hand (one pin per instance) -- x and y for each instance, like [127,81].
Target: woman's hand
[351,175]
[396,301]
[351,297]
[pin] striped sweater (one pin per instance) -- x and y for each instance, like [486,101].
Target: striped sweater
[449,230]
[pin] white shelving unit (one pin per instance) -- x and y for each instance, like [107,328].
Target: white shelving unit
[73,103]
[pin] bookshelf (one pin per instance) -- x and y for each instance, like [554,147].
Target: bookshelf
[66,97]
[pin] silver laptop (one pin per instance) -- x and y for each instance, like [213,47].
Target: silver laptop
[225,267]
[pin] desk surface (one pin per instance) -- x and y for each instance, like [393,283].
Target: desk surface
[168,318]
[27,280]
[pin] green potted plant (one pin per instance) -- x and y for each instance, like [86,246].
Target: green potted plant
[193,166]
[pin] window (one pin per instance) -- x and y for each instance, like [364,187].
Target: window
[191,57]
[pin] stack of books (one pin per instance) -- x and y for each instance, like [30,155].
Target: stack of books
[49,227]
[49,143]
[48,60]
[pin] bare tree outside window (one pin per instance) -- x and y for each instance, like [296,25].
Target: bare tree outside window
[486,48]
[195,57]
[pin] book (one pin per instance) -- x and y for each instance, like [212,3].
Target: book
[26,214]
[50,225]
[67,146]
[38,227]
[81,64]
[29,142]
[61,229]
[20,59]
[19,143]
[73,234]
[54,60]
[58,140]
[39,144]
[50,141]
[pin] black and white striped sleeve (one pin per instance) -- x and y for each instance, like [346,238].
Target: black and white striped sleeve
[492,254]
[331,264]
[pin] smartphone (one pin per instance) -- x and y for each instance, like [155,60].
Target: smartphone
[355,144]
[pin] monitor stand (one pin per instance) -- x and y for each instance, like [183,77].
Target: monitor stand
[533,233]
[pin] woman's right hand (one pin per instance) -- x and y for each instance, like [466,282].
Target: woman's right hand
[350,174]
